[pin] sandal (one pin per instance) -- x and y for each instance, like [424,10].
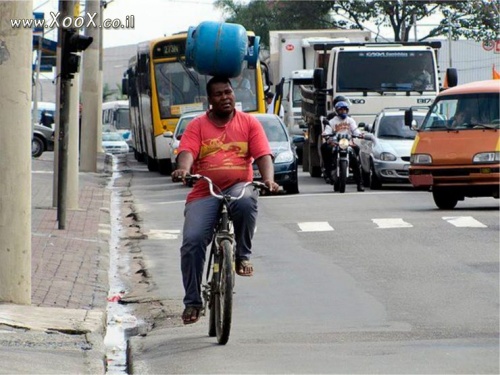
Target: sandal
[244,267]
[191,314]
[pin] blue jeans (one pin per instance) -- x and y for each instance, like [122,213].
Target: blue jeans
[200,218]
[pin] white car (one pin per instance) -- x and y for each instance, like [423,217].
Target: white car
[386,158]
[113,143]
[175,137]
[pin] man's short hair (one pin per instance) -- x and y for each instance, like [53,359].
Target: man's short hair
[217,79]
[269,95]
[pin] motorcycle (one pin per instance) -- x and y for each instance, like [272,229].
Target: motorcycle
[342,150]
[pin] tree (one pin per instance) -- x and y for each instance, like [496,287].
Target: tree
[262,16]
[476,19]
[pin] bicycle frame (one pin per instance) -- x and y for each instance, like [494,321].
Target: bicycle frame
[218,289]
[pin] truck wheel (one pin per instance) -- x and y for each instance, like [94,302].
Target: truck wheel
[305,158]
[444,199]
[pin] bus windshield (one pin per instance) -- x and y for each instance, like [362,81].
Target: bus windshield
[179,92]
[462,112]
[176,89]
[390,71]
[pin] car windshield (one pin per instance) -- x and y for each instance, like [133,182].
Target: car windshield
[273,128]
[464,112]
[182,124]
[111,137]
[394,127]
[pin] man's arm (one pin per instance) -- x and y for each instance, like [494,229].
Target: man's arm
[266,169]
[185,161]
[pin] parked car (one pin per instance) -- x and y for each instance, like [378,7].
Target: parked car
[283,149]
[176,135]
[113,143]
[43,140]
[386,158]
[43,129]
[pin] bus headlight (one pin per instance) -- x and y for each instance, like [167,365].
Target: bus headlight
[486,157]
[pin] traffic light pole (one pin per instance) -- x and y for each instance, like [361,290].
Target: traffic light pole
[71,44]
[62,182]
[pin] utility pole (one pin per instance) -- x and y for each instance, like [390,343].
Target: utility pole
[15,154]
[91,94]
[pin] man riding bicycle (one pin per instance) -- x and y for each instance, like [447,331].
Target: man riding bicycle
[220,144]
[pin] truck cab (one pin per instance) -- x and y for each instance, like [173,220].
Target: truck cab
[292,99]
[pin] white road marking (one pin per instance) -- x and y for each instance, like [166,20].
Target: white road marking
[391,223]
[464,222]
[315,226]
[163,234]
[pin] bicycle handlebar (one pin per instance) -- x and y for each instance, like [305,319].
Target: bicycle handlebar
[211,184]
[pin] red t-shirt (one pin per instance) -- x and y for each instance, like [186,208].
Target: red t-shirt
[224,154]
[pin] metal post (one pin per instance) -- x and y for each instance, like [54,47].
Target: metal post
[63,153]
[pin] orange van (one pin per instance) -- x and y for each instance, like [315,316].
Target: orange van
[456,152]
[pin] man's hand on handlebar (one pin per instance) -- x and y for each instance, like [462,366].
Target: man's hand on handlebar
[272,186]
[179,175]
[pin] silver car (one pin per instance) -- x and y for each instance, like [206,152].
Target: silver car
[386,158]
[176,135]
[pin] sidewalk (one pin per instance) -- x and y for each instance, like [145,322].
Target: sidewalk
[62,331]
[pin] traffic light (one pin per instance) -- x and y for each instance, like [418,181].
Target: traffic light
[72,43]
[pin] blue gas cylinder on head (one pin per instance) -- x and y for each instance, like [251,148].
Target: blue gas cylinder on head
[219,49]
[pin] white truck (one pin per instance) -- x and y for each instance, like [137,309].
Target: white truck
[292,57]
[373,76]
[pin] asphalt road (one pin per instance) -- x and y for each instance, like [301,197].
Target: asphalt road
[373,282]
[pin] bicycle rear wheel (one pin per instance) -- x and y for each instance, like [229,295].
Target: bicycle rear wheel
[223,301]
[214,285]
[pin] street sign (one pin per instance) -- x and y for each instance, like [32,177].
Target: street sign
[38,16]
[49,47]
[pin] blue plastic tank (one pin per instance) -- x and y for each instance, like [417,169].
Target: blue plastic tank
[218,48]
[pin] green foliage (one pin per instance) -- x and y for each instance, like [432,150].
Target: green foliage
[473,19]
[262,16]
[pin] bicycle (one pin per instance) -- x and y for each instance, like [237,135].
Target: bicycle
[219,280]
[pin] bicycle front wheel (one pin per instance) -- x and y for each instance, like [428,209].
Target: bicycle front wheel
[223,302]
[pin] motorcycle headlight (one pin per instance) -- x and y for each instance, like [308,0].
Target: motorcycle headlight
[284,157]
[387,156]
[421,159]
[344,143]
[486,157]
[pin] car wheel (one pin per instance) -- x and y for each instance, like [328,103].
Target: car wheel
[375,183]
[366,177]
[444,199]
[37,147]
[292,188]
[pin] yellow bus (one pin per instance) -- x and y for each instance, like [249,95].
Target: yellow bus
[161,88]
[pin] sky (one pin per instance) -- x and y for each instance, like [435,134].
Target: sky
[153,18]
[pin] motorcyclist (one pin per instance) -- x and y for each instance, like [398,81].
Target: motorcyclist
[342,123]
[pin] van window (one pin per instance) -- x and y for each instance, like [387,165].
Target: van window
[464,112]
[122,118]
